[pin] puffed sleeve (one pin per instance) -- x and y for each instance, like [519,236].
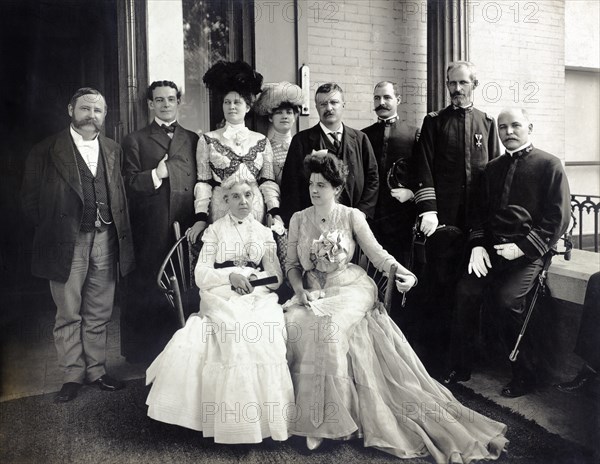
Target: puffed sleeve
[267,184]
[203,188]
[380,258]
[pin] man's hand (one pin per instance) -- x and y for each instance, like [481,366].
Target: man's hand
[479,262]
[194,232]
[429,223]
[402,194]
[162,171]
[509,251]
[241,283]
[405,282]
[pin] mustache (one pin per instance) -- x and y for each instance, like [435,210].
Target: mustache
[381,107]
[82,122]
[457,94]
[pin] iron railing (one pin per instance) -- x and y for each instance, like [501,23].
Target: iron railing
[590,205]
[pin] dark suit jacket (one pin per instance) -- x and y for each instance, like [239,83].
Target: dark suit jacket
[52,198]
[361,185]
[153,211]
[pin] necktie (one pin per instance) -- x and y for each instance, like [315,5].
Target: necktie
[170,130]
[336,140]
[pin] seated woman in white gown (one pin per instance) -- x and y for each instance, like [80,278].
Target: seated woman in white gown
[354,373]
[225,373]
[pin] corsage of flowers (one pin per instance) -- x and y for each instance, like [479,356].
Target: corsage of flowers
[327,252]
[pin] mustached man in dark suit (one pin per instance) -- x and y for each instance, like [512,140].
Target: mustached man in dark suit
[74,194]
[160,173]
[349,145]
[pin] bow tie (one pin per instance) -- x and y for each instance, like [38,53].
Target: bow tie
[387,122]
[169,129]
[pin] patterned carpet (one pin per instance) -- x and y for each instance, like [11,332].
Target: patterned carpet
[101,427]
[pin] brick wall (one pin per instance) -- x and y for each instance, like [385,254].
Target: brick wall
[518,48]
[358,43]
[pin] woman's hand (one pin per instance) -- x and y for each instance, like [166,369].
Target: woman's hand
[240,283]
[304,297]
[405,282]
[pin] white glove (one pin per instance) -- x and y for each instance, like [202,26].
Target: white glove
[479,262]
[429,223]
[402,194]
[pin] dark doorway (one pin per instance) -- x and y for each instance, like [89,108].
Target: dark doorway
[48,49]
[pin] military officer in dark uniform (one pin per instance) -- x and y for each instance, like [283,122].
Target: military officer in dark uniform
[523,210]
[393,142]
[455,145]
[160,174]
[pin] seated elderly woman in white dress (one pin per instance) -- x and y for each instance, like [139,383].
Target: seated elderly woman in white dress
[354,373]
[225,373]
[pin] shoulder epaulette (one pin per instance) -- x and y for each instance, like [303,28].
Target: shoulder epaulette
[488,117]
[433,114]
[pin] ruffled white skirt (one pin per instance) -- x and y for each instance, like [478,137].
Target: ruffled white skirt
[225,373]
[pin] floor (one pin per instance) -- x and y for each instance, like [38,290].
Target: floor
[29,367]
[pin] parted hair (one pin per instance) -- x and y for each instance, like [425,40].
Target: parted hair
[326,164]
[155,84]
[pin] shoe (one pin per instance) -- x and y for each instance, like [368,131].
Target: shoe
[582,380]
[516,388]
[312,443]
[106,382]
[67,393]
[456,375]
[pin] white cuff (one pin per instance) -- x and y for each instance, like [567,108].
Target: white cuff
[155,180]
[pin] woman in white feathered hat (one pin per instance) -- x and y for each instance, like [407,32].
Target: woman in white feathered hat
[280,102]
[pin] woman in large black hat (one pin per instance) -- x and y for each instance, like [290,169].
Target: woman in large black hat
[233,150]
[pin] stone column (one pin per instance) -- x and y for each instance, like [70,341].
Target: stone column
[447,41]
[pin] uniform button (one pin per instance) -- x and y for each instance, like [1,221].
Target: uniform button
[123,237]
[188,174]
[186,189]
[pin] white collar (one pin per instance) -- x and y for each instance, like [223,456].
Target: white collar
[160,122]
[387,119]
[79,140]
[328,131]
[235,220]
[522,147]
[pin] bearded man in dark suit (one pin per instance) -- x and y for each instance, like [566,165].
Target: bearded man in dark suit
[349,145]
[160,173]
[74,195]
